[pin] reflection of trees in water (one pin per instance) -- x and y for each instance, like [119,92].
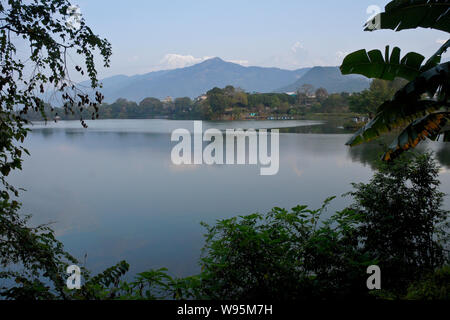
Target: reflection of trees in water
[370,153]
[73,134]
[45,132]
[367,153]
[329,127]
[443,155]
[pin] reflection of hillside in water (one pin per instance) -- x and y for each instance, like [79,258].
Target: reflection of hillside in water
[371,152]
[329,127]
[443,155]
[368,153]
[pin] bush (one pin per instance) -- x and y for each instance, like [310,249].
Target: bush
[403,225]
[283,255]
[435,286]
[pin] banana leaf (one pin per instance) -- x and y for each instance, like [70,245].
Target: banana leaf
[435,59]
[392,115]
[372,64]
[411,14]
[407,105]
[414,133]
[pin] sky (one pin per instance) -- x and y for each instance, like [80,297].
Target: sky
[289,34]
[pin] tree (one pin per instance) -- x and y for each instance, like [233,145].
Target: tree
[435,286]
[370,99]
[240,99]
[421,107]
[182,104]
[334,103]
[151,106]
[304,93]
[321,94]
[283,108]
[218,99]
[306,89]
[41,25]
[403,224]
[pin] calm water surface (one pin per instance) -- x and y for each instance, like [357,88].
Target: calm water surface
[112,192]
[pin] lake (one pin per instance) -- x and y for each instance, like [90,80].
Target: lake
[112,192]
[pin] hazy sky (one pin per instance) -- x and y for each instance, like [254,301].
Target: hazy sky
[153,35]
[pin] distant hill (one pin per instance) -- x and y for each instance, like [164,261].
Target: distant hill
[329,78]
[197,79]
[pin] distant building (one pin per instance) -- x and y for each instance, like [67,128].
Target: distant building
[201,98]
[360,119]
[167,99]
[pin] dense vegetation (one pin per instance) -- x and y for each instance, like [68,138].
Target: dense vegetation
[367,101]
[31,259]
[421,107]
[228,103]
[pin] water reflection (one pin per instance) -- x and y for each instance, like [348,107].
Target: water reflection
[370,153]
[327,127]
[443,155]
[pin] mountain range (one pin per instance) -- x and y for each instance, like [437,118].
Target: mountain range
[195,80]
[331,79]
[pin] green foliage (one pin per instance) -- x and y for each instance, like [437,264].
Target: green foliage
[283,255]
[411,14]
[407,105]
[428,126]
[105,285]
[321,94]
[31,259]
[217,103]
[147,285]
[372,64]
[404,226]
[33,262]
[230,98]
[434,286]
[427,92]
[368,101]
[183,105]
[228,102]
[333,103]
